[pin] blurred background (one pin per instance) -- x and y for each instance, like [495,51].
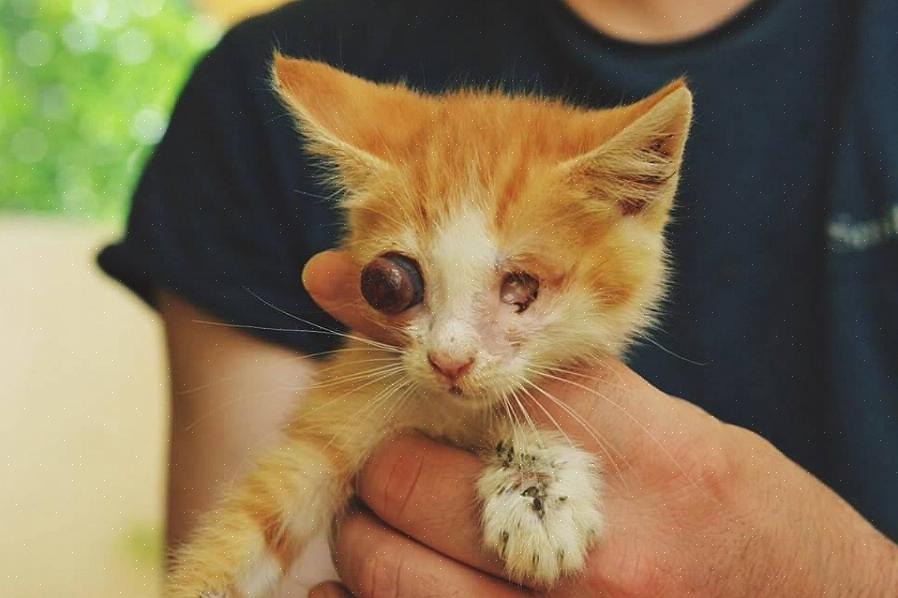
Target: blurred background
[86,87]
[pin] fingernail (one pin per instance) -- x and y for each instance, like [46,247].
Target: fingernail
[329,589]
[322,591]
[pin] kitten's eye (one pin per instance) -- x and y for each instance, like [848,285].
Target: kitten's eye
[392,283]
[519,289]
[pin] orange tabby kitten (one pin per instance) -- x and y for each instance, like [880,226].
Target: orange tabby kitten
[512,235]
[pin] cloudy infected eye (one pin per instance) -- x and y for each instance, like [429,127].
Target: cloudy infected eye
[519,289]
[392,283]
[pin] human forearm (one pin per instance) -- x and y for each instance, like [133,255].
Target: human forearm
[854,559]
[801,539]
[230,394]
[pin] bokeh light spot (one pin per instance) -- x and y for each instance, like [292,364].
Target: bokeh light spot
[80,38]
[203,31]
[133,47]
[29,145]
[24,8]
[147,8]
[34,48]
[90,11]
[55,103]
[76,121]
[117,15]
[149,125]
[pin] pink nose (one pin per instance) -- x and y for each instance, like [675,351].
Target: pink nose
[452,368]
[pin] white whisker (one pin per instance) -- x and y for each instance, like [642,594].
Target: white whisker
[630,416]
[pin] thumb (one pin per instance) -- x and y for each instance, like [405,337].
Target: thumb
[329,589]
[609,408]
[332,279]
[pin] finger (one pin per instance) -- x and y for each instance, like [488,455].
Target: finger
[332,279]
[374,560]
[329,589]
[427,490]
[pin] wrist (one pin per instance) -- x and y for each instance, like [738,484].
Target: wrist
[882,569]
[813,543]
[799,538]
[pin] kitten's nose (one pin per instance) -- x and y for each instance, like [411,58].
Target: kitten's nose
[452,368]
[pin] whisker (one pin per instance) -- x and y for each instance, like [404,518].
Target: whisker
[357,361]
[672,353]
[221,406]
[355,389]
[340,380]
[630,416]
[326,332]
[513,417]
[524,412]
[371,342]
[597,437]
[375,403]
[587,376]
[549,415]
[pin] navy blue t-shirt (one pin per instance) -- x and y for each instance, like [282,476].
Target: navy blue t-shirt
[784,312]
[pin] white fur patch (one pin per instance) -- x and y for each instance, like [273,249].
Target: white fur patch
[464,256]
[260,578]
[462,259]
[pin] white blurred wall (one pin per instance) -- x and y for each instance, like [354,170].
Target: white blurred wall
[231,11]
[82,420]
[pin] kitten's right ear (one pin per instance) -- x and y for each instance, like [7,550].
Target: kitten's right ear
[354,122]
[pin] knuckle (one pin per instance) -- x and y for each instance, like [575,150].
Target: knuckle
[380,576]
[344,536]
[723,462]
[395,477]
[635,573]
[716,473]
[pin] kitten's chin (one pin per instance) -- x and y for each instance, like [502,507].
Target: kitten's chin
[464,397]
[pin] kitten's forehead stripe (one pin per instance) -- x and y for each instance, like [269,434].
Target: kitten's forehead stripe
[463,254]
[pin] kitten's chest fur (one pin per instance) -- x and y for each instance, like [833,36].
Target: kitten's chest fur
[460,425]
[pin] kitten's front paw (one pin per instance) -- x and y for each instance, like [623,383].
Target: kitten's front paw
[541,501]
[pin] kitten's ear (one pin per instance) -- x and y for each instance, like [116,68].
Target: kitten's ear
[345,118]
[637,169]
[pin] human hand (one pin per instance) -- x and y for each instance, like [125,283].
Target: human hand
[694,506]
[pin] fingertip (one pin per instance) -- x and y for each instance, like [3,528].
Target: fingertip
[323,274]
[329,589]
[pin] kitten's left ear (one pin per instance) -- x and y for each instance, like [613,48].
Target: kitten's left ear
[358,124]
[635,172]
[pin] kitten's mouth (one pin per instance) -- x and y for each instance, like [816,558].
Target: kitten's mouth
[456,391]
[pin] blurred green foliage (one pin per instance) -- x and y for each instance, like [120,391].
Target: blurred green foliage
[86,87]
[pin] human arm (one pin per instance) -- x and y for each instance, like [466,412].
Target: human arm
[230,392]
[695,506]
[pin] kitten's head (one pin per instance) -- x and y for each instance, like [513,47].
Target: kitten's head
[507,234]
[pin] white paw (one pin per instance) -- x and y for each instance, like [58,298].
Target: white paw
[541,506]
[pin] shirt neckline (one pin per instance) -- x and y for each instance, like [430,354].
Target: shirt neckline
[745,18]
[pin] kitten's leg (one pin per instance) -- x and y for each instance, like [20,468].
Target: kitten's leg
[541,505]
[243,548]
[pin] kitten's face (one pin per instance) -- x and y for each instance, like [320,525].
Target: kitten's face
[504,237]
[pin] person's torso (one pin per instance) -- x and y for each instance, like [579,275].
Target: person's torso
[783,315]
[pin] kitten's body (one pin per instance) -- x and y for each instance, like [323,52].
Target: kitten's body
[538,228]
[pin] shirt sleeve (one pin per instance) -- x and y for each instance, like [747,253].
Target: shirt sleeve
[228,208]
